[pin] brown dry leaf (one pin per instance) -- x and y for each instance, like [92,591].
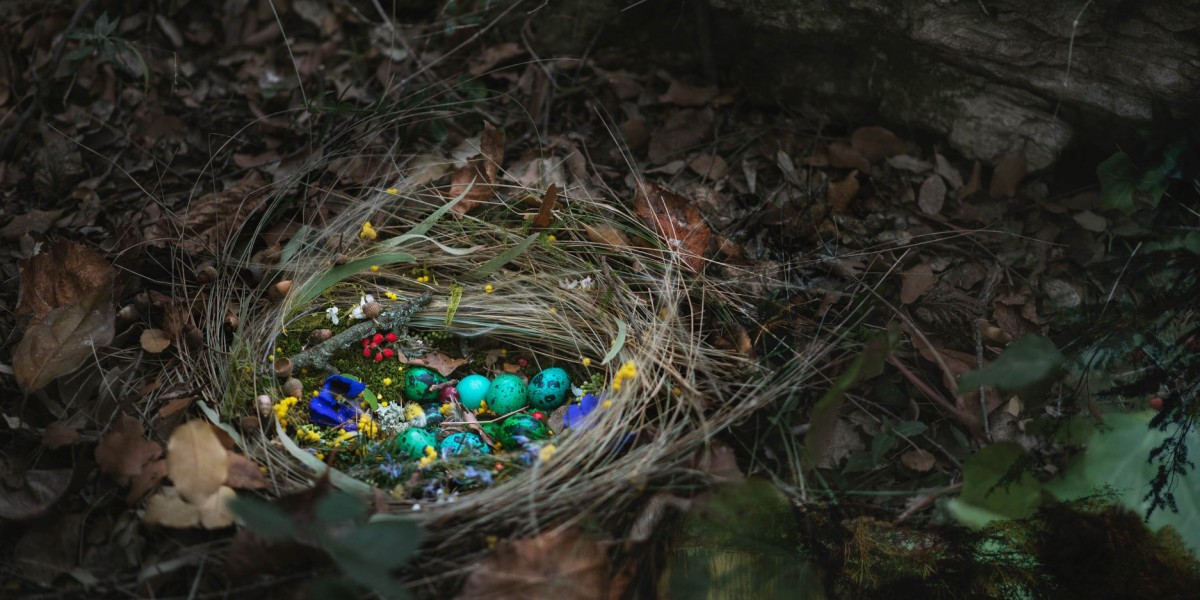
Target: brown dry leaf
[67,336]
[36,492]
[196,461]
[932,195]
[840,193]
[438,361]
[58,435]
[141,484]
[682,130]
[843,442]
[915,282]
[249,161]
[1009,172]
[603,233]
[210,222]
[876,143]
[684,94]
[711,166]
[168,509]
[918,460]
[174,406]
[34,221]
[561,563]
[675,220]
[123,452]
[214,512]
[974,184]
[155,340]
[947,171]
[492,56]
[956,362]
[60,276]
[843,156]
[244,473]
[542,220]
[481,170]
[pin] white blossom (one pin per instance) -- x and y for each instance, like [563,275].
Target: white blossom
[332,313]
[357,311]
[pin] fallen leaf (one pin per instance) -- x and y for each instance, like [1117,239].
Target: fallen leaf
[843,441]
[918,460]
[947,171]
[36,492]
[123,452]
[1091,221]
[844,156]
[684,94]
[711,166]
[58,435]
[909,163]
[974,184]
[481,170]
[34,221]
[141,484]
[932,195]
[1009,172]
[62,275]
[214,512]
[244,473]
[876,143]
[210,222]
[682,130]
[66,337]
[438,361]
[840,193]
[542,220]
[168,509]
[175,405]
[675,220]
[492,56]
[603,233]
[154,340]
[915,282]
[560,563]
[196,461]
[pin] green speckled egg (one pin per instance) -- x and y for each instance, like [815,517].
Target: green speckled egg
[412,444]
[472,389]
[521,425]
[463,442]
[549,389]
[492,428]
[506,394]
[418,380]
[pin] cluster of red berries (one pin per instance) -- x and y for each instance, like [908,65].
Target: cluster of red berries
[371,345]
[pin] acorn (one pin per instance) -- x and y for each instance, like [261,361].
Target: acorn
[372,309]
[320,335]
[293,387]
[279,290]
[283,367]
[206,274]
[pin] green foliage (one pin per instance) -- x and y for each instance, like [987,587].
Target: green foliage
[1121,180]
[996,486]
[119,52]
[1026,367]
[366,552]
[338,273]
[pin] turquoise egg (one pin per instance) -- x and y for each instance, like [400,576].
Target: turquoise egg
[472,389]
[506,394]
[414,441]
[462,443]
[549,389]
[418,380]
[521,425]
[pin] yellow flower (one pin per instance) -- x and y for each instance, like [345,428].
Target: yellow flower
[627,371]
[367,427]
[587,362]
[430,456]
[551,239]
[607,404]
[320,456]
[547,452]
[387,381]
[374,268]
[446,409]
[392,191]
[390,295]
[554,310]
[488,288]
[368,232]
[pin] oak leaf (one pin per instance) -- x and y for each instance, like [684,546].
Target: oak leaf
[676,221]
[63,275]
[196,461]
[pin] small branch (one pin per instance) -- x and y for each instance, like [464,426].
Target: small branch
[926,502]
[965,419]
[391,320]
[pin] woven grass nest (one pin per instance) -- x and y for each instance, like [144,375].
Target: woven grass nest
[598,293]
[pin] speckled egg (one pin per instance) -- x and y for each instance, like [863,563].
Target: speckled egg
[418,380]
[518,426]
[472,389]
[492,428]
[549,389]
[463,443]
[506,394]
[414,441]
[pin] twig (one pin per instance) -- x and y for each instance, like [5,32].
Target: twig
[392,320]
[960,416]
[926,502]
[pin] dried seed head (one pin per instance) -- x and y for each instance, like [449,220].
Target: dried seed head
[283,367]
[293,387]
[206,274]
[265,407]
[232,320]
[320,335]
[372,309]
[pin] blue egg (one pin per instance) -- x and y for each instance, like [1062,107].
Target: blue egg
[463,443]
[549,389]
[506,394]
[472,389]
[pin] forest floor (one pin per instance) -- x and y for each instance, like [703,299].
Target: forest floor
[132,138]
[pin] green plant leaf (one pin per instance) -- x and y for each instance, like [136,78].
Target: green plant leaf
[294,244]
[1028,362]
[1118,182]
[337,274]
[910,428]
[336,477]
[338,506]
[881,444]
[264,518]
[1116,456]
[456,292]
[371,551]
[618,343]
[428,222]
[494,265]
[983,500]
[371,398]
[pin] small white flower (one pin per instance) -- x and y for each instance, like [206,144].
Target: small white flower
[332,312]
[357,312]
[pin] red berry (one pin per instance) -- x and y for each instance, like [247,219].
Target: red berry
[391,337]
[366,342]
[367,352]
[378,357]
[1156,403]
[377,338]
[388,353]
[448,394]
[539,415]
